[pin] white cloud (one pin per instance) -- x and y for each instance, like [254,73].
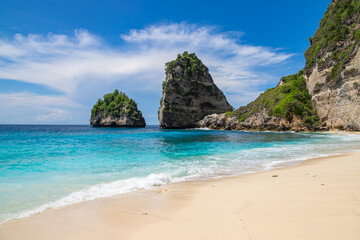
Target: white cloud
[56,115]
[83,66]
[24,107]
[25,99]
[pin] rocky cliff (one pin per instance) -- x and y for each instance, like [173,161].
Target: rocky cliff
[116,110]
[323,96]
[189,93]
[333,64]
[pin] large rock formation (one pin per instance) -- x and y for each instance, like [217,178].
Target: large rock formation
[116,110]
[323,96]
[189,93]
[333,64]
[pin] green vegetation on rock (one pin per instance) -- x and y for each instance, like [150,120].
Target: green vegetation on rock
[116,104]
[287,100]
[350,72]
[339,25]
[190,63]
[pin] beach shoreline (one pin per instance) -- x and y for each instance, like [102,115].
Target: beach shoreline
[317,199]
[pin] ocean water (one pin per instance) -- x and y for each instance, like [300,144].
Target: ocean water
[44,167]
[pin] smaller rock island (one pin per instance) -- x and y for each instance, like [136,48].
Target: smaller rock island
[116,110]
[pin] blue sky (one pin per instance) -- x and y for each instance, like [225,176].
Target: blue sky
[58,57]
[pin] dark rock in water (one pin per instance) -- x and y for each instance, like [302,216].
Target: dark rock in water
[189,93]
[116,110]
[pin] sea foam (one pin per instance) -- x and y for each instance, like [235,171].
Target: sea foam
[100,191]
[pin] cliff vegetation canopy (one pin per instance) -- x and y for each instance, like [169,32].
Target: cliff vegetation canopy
[191,64]
[339,35]
[116,104]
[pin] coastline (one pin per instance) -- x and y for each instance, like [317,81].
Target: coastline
[317,199]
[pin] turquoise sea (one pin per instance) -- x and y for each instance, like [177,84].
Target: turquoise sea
[44,167]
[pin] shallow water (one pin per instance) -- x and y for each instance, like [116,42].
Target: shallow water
[45,167]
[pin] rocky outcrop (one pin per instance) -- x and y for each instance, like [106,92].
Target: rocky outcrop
[260,121]
[285,107]
[189,94]
[219,122]
[333,66]
[116,110]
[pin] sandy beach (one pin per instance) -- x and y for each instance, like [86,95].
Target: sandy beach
[318,199]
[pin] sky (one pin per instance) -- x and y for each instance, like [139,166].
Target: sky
[57,57]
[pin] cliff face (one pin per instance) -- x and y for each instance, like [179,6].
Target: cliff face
[189,93]
[325,95]
[333,64]
[116,110]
